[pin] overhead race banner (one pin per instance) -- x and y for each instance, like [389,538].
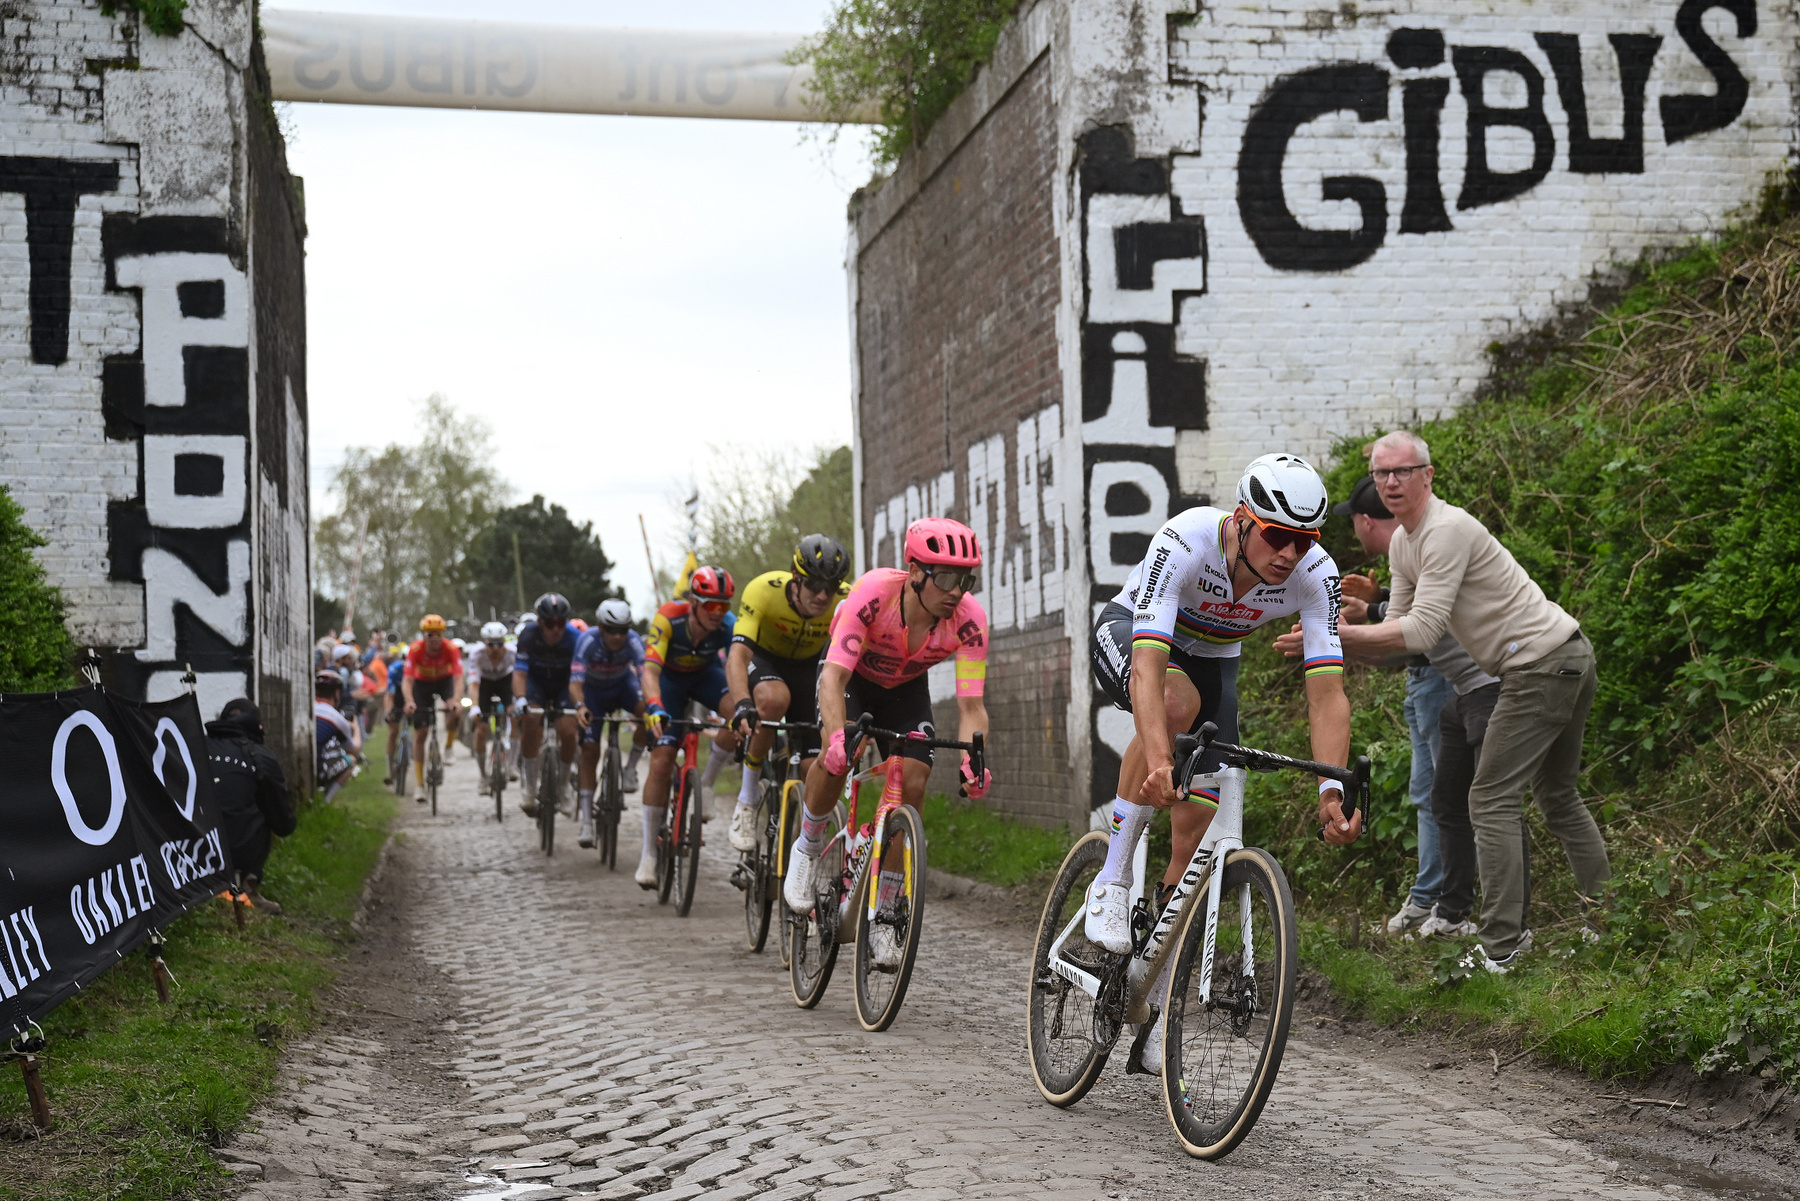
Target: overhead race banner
[108,830]
[435,63]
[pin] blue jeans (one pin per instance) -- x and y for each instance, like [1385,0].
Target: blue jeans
[1426,694]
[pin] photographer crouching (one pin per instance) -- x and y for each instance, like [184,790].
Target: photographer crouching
[251,791]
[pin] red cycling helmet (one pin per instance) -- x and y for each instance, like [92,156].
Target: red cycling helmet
[712,583]
[941,542]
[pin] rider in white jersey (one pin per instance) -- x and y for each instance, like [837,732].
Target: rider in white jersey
[493,665]
[1166,650]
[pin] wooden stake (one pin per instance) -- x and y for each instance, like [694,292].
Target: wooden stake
[159,971]
[34,1088]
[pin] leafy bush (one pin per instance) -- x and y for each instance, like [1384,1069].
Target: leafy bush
[35,650]
[907,60]
[160,16]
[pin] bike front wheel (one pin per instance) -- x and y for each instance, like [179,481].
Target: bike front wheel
[497,776]
[548,798]
[434,770]
[687,859]
[887,945]
[1069,1032]
[666,851]
[611,801]
[813,940]
[759,865]
[1220,1056]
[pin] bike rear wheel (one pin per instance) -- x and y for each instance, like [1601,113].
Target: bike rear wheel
[687,862]
[1220,1059]
[400,756]
[1068,1032]
[813,940]
[880,988]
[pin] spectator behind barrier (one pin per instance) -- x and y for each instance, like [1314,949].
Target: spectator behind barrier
[251,790]
[336,736]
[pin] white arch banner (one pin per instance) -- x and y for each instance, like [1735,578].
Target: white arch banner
[342,58]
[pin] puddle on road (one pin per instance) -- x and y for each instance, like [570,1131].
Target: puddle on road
[1718,1180]
[493,1188]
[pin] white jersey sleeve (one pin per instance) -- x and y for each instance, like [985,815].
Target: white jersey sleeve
[1320,596]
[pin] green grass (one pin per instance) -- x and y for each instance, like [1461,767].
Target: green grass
[140,1091]
[969,839]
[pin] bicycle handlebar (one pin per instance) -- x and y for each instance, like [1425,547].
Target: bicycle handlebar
[1190,747]
[976,746]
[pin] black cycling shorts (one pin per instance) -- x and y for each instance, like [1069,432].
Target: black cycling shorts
[423,691]
[802,679]
[1214,679]
[904,708]
[492,690]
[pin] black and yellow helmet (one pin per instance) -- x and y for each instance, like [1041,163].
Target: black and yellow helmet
[821,558]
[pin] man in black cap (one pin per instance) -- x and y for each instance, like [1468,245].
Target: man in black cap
[251,791]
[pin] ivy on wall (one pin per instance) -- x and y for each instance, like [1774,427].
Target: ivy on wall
[907,59]
[159,16]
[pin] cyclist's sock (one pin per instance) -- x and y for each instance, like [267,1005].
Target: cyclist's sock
[653,820]
[715,763]
[891,885]
[1128,822]
[812,832]
[631,761]
[419,771]
[747,786]
[586,797]
[531,774]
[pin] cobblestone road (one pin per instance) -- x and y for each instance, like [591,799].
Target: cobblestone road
[596,1044]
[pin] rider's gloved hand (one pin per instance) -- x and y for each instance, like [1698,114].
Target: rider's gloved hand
[836,759]
[972,787]
[656,715]
[745,716]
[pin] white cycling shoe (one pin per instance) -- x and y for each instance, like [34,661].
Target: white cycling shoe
[646,872]
[586,837]
[797,889]
[1150,1055]
[628,781]
[1108,923]
[743,828]
[884,948]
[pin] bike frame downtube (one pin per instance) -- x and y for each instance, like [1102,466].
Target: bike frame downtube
[892,797]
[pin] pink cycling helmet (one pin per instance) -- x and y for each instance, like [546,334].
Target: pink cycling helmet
[941,542]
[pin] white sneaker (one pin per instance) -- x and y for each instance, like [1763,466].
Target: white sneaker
[646,872]
[1150,1059]
[1438,927]
[1408,918]
[884,948]
[1108,922]
[797,889]
[743,828]
[586,837]
[628,780]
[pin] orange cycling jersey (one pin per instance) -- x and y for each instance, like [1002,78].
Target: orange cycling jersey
[423,665]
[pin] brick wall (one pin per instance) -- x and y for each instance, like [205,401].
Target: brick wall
[152,379]
[960,386]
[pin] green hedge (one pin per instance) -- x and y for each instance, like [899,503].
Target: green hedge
[36,654]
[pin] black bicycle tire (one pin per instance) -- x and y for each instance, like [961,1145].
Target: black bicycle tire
[607,819]
[760,864]
[1088,850]
[497,774]
[828,885]
[878,1017]
[665,845]
[689,864]
[1257,867]
[547,798]
[784,847]
[433,771]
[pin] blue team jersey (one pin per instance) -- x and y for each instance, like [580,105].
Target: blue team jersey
[545,660]
[605,668]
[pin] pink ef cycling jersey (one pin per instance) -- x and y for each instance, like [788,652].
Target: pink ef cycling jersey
[868,637]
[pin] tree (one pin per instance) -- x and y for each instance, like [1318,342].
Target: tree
[36,652]
[554,555]
[423,506]
[756,506]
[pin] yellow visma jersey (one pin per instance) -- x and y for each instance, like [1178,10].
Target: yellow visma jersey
[768,622]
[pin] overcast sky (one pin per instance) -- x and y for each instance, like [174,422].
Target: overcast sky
[610,294]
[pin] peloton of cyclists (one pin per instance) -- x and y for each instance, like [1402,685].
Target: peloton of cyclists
[492,667]
[892,627]
[433,669]
[681,664]
[609,658]
[783,622]
[542,667]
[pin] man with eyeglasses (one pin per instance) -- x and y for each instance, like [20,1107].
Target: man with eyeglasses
[1452,575]
[682,664]
[892,627]
[1165,650]
[543,662]
[783,621]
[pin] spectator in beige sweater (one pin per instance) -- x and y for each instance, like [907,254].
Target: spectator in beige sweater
[1451,575]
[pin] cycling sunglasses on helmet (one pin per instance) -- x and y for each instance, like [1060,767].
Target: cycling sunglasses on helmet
[951,579]
[1280,537]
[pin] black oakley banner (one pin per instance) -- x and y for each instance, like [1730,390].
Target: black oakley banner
[108,830]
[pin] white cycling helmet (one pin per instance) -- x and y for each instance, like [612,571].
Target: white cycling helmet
[614,613]
[459,644]
[523,622]
[1284,490]
[493,631]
